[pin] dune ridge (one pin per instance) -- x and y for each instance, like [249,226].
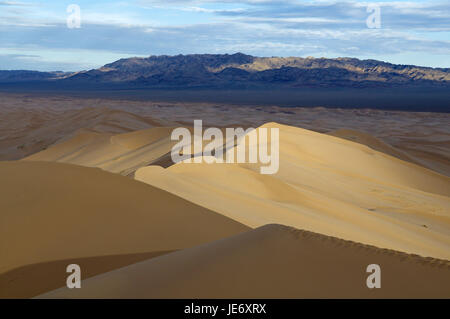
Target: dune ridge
[121,153]
[273,261]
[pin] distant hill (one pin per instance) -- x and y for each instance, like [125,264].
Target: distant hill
[244,71]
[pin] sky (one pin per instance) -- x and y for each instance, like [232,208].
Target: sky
[44,35]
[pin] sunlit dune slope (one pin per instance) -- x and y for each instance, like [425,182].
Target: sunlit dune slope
[327,185]
[273,261]
[122,153]
[55,211]
[375,143]
[430,151]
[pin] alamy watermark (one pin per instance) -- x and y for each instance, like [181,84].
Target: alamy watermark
[74,19]
[374,279]
[373,21]
[74,279]
[237,146]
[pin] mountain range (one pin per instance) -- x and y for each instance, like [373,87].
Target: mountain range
[242,71]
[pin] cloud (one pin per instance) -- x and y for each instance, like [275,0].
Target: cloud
[284,28]
[218,37]
[15,4]
[29,62]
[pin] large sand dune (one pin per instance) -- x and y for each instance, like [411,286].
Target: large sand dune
[271,262]
[52,212]
[327,185]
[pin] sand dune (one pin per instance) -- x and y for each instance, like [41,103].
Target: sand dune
[327,185]
[51,212]
[122,153]
[375,143]
[27,131]
[432,152]
[116,153]
[271,262]
[32,122]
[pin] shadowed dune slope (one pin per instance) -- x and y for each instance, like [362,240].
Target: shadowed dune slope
[273,261]
[35,279]
[55,211]
[326,185]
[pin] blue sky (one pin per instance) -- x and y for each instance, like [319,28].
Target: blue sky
[34,34]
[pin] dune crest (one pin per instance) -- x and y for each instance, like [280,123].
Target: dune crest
[273,261]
